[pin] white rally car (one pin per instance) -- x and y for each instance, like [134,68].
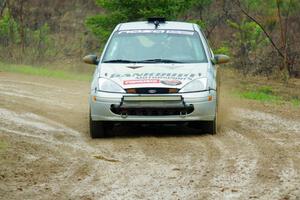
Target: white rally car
[154,71]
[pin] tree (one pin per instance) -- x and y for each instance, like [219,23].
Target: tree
[282,9]
[248,38]
[208,14]
[17,8]
[118,11]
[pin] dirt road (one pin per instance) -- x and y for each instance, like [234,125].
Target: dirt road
[46,152]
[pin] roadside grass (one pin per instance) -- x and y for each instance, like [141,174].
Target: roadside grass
[43,71]
[264,94]
[296,102]
[261,89]
[3,145]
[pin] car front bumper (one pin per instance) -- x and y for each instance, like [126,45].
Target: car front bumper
[203,103]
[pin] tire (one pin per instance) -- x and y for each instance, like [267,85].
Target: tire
[212,127]
[208,127]
[97,129]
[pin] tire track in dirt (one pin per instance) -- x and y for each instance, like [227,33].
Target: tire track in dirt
[276,138]
[65,141]
[172,167]
[41,93]
[255,156]
[29,85]
[235,168]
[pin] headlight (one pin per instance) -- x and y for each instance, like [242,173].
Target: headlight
[106,85]
[195,86]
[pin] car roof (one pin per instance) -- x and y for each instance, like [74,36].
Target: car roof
[171,25]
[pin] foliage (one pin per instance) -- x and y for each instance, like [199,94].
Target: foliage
[118,11]
[37,42]
[40,41]
[33,31]
[248,39]
[275,15]
[269,7]
[248,34]
[199,12]
[200,22]
[8,30]
[224,49]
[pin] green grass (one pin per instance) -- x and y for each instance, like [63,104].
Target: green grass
[3,145]
[263,94]
[295,102]
[42,71]
[267,95]
[259,96]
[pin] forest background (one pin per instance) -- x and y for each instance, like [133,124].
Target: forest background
[261,36]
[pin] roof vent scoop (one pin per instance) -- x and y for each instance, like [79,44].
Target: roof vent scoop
[156,21]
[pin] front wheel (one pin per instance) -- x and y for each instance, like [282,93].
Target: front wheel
[212,127]
[205,126]
[97,129]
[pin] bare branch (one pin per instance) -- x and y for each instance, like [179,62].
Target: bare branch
[261,26]
[214,25]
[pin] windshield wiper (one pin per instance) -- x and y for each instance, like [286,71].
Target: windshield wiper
[158,60]
[119,61]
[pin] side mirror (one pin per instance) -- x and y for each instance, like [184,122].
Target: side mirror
[220,59]
[91,59]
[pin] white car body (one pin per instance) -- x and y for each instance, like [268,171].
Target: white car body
[152,103]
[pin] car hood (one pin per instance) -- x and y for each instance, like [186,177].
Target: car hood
[153,75]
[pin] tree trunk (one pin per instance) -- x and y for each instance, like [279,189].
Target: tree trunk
[282,37]
[2,8]
[22,26]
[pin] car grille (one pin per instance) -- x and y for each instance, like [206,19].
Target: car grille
[152,90]
[152,111]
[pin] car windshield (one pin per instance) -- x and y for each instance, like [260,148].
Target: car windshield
[155,46]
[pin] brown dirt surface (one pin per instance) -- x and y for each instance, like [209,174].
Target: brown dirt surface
[46,151]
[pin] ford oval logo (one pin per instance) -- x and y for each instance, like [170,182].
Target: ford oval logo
[152,91]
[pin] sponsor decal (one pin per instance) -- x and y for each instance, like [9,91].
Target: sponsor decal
[171,82]
[155,76]
[177,32]
[136,82]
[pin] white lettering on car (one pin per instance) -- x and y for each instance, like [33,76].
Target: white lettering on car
[151,76]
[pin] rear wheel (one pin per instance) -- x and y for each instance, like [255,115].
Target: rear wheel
[97,129]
